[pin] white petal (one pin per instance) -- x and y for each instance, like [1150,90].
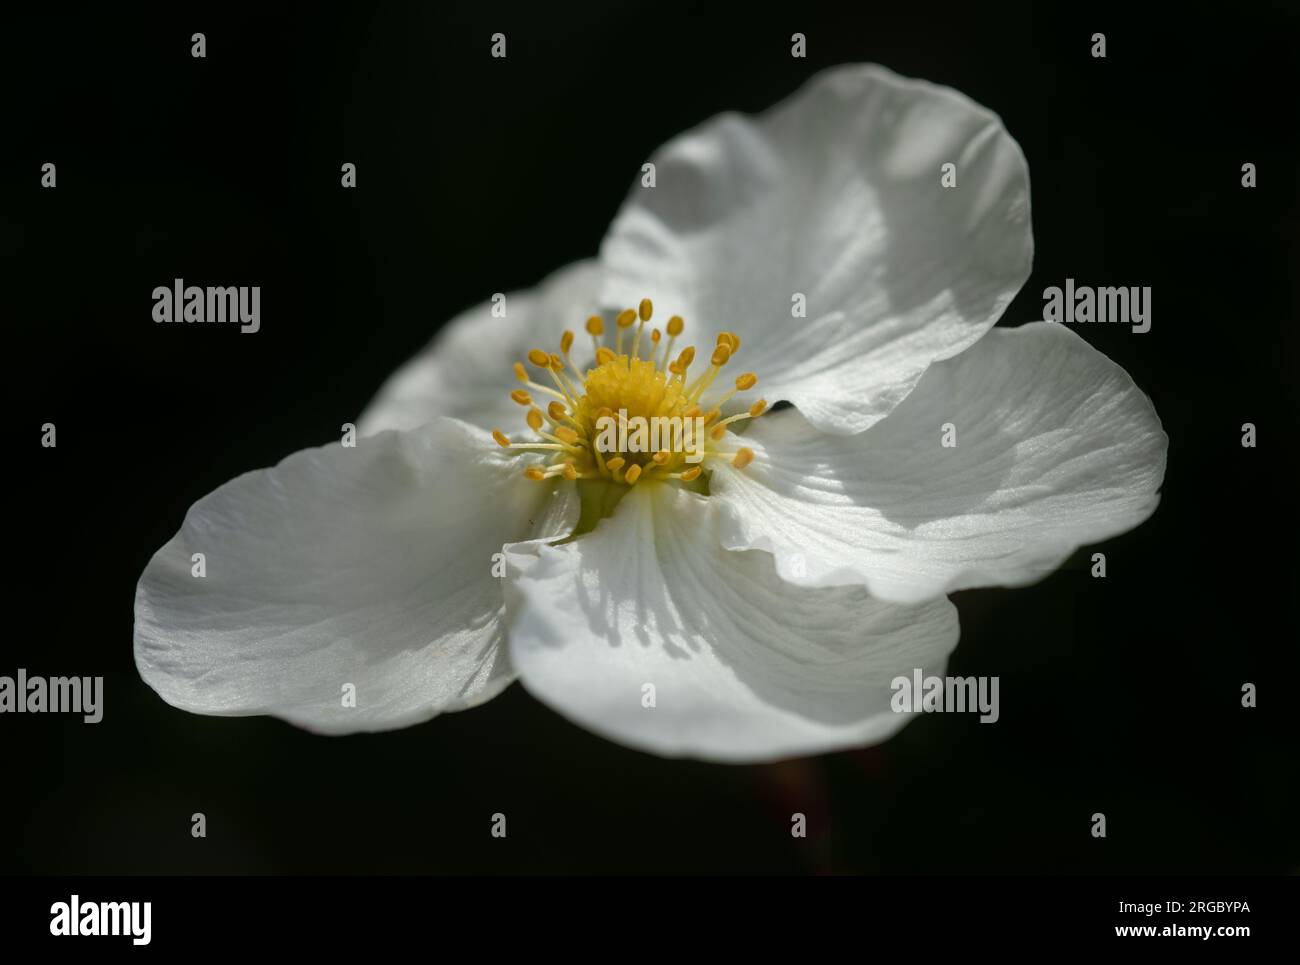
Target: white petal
[465,372]
[835,194]
[1055,448]
[744,667]
[369,566]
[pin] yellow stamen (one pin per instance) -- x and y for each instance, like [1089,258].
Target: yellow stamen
[674,328]
[720,357]
[501,438]
[755,410]
[555,365]
[625,318]
[743,384]
[566,343]
[644,312]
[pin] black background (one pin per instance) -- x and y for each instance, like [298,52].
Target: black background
[479,175]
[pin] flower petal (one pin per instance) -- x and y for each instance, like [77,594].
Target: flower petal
[1055,448]
[744,667]
[369,566]
[834,194]
[465,372]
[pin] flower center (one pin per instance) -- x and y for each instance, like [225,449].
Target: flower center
[635,415]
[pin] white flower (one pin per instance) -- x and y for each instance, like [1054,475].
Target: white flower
[761,610]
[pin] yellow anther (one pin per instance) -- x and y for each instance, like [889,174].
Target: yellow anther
[615,464]
[729,339]
[535,474]
[758,408]
[683,361]
[692,473]
[569,472]
[711,415]
[521,373]
[566,342]
[662,456]
[534,418]
[675,326]
[557,412]
[502,439]
[718,431]
[692,412]
[604,355]
[521,397]
[626,317]
[557,363]
[539,358]
[654,335]
[720,355]
[645,309]
[633,474]
[566,435]
[746,381]
[744,456]
[595,325]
